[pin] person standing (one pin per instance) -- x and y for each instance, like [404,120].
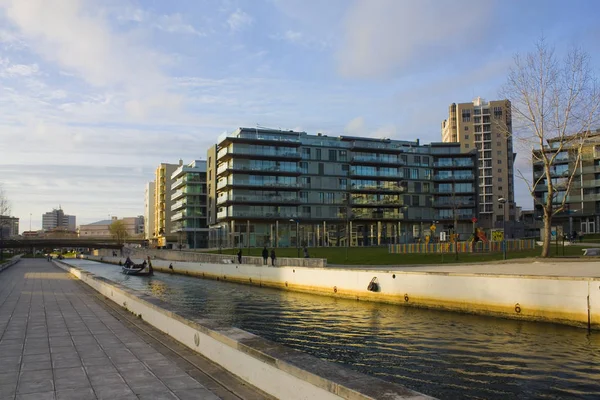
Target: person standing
[273,257]
[239,254]
[265,255]
[306,255]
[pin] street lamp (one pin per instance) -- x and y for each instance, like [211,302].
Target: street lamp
[502,200]
[297,229]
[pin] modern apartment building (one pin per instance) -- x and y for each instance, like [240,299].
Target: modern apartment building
[487,127]
[189,205]
[58,219]
[149,211]
[285,188]
[162,204]
[582,212]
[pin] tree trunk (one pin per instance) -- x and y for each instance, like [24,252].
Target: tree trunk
[547,234]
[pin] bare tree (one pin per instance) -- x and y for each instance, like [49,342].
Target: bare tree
[5,220]
[555,104]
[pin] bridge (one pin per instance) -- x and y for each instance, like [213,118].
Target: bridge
[46,243]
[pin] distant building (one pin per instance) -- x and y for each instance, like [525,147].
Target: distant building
[188,205]
[9,226]
[162,204]
[582,213]
[58,219]
[134,227]
[486,126]
[149,231]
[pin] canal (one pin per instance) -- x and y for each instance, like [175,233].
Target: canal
[442,354]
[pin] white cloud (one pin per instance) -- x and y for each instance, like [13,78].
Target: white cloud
[20,70]
[75,35]
[300,39]
[239,20]
[355,127]
[175,23]
[385,35]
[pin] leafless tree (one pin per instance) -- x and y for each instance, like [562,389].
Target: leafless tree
[5,220]
[119,231]
[555,104]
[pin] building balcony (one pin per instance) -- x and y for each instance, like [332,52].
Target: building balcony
[288,154]
[379,176]
[453,178]
[381,203]
[374,160]
[458,192]
[451,204]
[238,183]
[376,189]
[225,170]
[378,215]
[241,199]
[260,138]
[188,191]
[258,215]
[466,163]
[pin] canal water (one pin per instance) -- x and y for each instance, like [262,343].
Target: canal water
[442,354]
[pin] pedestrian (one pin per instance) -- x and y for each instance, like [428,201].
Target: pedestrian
[265,254]
[273,257]
[306,252]
[574,238]
[581,237]
[239,256]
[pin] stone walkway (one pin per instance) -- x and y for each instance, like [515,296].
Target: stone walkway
[59,341]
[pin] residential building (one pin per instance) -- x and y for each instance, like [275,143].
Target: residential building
[9,226]
[582,211]
[284,188]
[134,226]
[58,219]
[162,204]
[487,127]
[149,231]
[189,205]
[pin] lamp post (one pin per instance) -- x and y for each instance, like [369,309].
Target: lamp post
[297,230]
[502,201]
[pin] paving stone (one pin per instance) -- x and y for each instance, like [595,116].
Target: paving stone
[181,382]
[36,396]
[9,377]
[113,391]
[76,394]
[36,375]
[196,394]
[35,386]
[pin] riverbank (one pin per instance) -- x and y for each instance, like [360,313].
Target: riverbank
[519,290]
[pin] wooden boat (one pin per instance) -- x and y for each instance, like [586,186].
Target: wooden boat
[143,269]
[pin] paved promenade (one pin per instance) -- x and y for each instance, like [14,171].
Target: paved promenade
[61,340]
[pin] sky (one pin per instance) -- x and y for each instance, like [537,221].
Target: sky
[95,94]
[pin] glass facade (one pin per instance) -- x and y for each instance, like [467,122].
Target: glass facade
[277,188]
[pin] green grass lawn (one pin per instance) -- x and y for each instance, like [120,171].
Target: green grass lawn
[380,255]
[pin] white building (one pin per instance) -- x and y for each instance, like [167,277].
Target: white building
[58,219]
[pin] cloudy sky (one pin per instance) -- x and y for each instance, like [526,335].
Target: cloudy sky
[95,94]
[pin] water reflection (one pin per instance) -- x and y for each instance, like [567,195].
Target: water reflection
[447,355]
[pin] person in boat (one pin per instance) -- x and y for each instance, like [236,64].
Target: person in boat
[128,262]
[151,270]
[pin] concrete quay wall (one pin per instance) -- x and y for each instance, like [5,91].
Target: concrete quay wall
[565,300]
[275,369]
[9,263]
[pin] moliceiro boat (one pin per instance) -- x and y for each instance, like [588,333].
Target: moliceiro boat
[143,269]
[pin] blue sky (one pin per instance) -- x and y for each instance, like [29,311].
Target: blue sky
[93,95]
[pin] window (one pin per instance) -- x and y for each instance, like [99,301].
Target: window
[306,153]
[343,183]
[500,170]
[498,144]
[418,187]
[321,197]
[499,152]
[332,155]
[329,198]
[417,160]
[499,162]
[466,145]
[304,167]
[425,160]
[414,173]
[466,137]
[499,179]
[426,187]
[500,188]
[305,181]
[415,200]
[407,173]
[466,128]
[321,168]
[304,197]
[318,157]
[306,211]
[403,158]
[343,155]
[466,115]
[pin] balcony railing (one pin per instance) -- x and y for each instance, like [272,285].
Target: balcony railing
[468,177]
[261,199]
[274,170]
[265,215]
[291,153]
[457,163]
[240,182]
